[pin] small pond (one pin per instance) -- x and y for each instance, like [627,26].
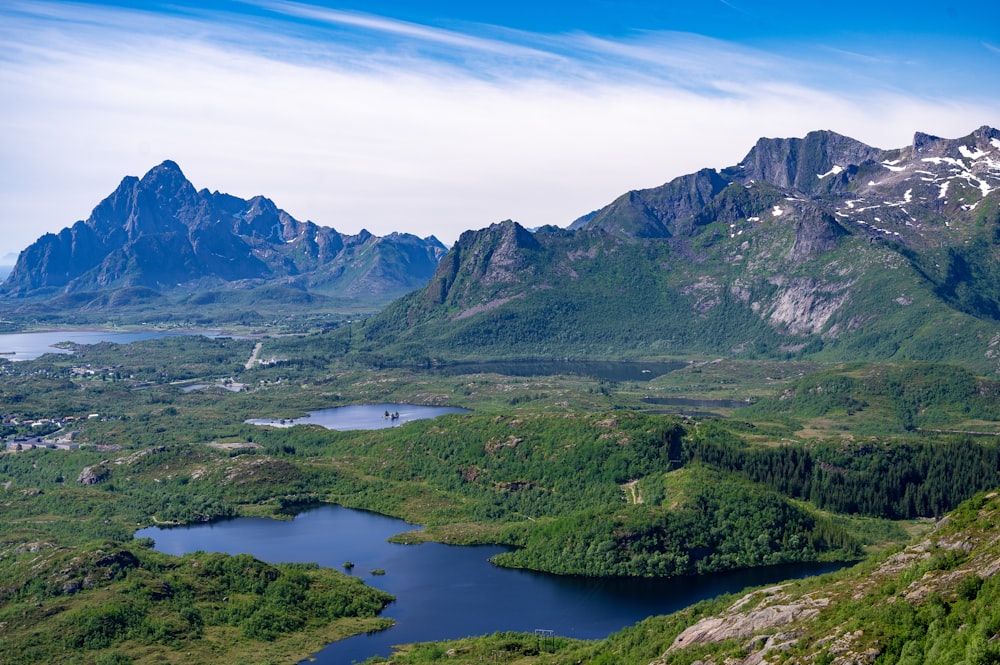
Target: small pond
[362,416]
[446,592]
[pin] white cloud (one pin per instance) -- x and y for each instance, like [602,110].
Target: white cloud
[397,140]
[406,29]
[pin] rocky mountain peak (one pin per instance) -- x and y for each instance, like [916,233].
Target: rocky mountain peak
[794,163]
[159,232]
[986,134]
[481,265]
[165,169]
[167,182]
[820,242]
[984,139]
[496,253]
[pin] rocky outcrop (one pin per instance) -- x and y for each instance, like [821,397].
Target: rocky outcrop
[661,212]
[92,475]
[771,609]
[804,306]
[479,267]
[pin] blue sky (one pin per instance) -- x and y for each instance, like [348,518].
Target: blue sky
[435,117]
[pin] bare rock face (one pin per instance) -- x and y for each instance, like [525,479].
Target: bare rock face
[795,163]
[92,475]
[805,306]
[773,609]
[815,234]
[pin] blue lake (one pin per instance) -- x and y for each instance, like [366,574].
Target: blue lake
[28,346]
[362,416]
[446,592]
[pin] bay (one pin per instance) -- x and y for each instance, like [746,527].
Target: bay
[31,345]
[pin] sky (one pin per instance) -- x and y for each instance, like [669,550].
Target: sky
[435,117]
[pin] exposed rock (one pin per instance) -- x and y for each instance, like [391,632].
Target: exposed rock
[798,163]
[805,305]
[815,234]
[119,559]
[92,475]
[770,612]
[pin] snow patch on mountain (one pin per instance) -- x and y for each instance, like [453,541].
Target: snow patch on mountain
[973,155]
[937,161]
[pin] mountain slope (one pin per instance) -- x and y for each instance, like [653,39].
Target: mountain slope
[160,233]
[820,246]
[932,602]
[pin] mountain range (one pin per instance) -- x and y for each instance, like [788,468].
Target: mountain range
[159,233]
[821,246]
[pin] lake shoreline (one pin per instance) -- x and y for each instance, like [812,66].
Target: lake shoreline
[443,591]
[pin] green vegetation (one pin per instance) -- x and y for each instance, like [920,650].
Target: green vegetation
[567,470]
[119,600]
[270,309]
[809,291]
[883,398]
[875,478]
[933,602]
[714,523]
[655,318]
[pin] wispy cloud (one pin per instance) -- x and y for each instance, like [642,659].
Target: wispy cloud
[405,29]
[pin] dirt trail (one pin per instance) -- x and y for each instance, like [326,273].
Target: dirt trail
[253,355]
[632,492]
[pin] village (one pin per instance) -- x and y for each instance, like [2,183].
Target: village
[19,434]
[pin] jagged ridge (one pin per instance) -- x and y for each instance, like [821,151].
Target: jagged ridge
[159,232]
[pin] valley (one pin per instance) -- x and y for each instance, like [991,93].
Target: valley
[543,464]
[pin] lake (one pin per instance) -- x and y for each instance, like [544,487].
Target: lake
[447,592]
[705,403]
[694,407]
[361,416]
[28,346]
[607,370]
